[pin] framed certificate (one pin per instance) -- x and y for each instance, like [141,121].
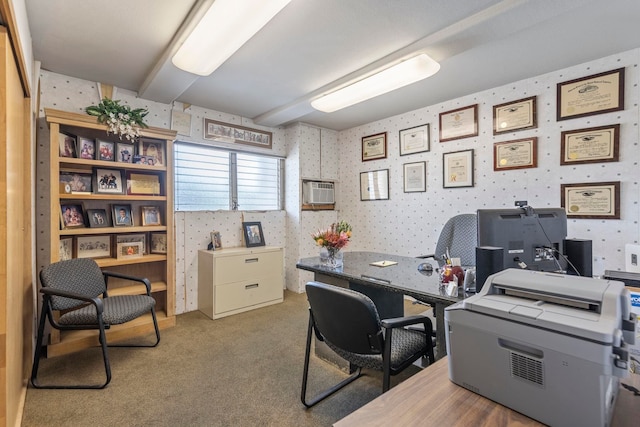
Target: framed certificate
[143,184]
[374,146]
[457,169]
[414,140]
[374,185]
[598,200]
[515,115]
[591,145]
[460,123]
[415,177]
[595,94]
[516,154]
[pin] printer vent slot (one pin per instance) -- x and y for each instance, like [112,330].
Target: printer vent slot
[526,368]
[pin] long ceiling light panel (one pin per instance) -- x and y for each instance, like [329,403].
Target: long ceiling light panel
[406,72]
[226,26]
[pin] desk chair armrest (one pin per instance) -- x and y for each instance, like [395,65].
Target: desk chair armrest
[97,302]
[427,256]
[117,275]
[400,322]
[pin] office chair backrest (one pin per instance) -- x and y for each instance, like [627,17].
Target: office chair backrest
[347,319]
[80,275]
[460,235]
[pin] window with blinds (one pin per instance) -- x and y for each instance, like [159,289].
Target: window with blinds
[208,178]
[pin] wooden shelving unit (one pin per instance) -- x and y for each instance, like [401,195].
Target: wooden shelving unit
[158,268]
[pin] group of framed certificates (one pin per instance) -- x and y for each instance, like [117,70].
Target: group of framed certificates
[595,94]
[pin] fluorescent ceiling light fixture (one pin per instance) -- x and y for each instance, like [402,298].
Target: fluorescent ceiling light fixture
[225,27]
[406,72]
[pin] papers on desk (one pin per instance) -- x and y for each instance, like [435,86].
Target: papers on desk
[383,263]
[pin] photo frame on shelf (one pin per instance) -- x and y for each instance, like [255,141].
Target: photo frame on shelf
[591,200]
[153,150]
[122,215]
[457,169]
[216,240]
[66,248]
[591,145]
[125,152]
[67,145]
[415,177]
[76,182]
[105,150]
[374,185]
[516,154]
[158,243]
[129,250]
[252,232]
[94,246]
[227,132]
[151,215]
[108,181]
[143,184]
[586,96]
[414,140]
[133,238]
[374,147]
[71,215]
[515,115]
[86,148]
[98,218]
[459,123]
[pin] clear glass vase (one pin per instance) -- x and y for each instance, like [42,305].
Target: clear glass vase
[331,257]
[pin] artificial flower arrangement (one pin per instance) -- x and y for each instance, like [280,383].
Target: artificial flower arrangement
[333,238]
[121,119]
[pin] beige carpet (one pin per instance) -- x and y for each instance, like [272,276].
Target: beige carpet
[242,370]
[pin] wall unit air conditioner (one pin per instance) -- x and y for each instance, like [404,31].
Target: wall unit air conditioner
[318,193]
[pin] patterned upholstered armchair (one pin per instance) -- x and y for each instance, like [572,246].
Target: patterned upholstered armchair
[460,237]
[348,322]
[77,288]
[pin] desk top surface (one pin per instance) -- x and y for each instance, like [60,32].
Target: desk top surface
[429,398]
[403,277]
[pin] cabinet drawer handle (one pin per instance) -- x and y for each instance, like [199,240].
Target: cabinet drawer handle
[255,285]
[251,260]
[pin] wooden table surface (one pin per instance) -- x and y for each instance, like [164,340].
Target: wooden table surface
[430,398]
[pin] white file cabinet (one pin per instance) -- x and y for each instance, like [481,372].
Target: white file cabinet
[234,280]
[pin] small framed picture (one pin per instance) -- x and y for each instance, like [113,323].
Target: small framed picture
[98,246]
[216,240]
[75,182]
[153,150]
[86,148]
[108,181]
[133,238]
[374,185]
[516,154]
[457,169]
[415,177]
[98,218]
[124,152]
[106,150]
[593,145]
[66,248]
[374,147]
[129,250]
[414,140]
[151,215]
[252,234]
[71,216]
[158,243]
[459,123]
[515,115]
[67,144]
[591,200]
[121,215]
[595,94]
[143,183]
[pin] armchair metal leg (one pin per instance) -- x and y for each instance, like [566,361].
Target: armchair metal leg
[303,395]
[157,330]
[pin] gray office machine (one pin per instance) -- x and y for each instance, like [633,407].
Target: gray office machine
[550,346]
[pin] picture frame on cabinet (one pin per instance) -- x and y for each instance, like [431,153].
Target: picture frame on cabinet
[457,169]
[252,232]
[67,144]
[414,140]
[94,246]
[71,216]
[105,150]
[374,147]
[125,152]
[133,238]
[108,181]
[143,183]
[151,215]
[216,240]
[86,148]
[152,149]
[158,243]
[122,215]
[129,250]
[66,248]
[72,182]
[98,218]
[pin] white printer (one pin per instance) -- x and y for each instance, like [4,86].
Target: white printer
[550,346]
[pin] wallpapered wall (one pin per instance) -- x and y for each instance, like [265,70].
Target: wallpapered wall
[410,223]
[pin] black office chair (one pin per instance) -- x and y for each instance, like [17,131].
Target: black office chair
[348,322]
[77,288]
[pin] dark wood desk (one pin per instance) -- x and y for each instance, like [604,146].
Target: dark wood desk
[429,398]
[387,285]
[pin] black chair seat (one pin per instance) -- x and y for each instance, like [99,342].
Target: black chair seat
[116,311]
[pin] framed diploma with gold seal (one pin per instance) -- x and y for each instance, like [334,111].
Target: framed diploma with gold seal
[516,154]
[597,200]
[595,94]
[591,145]
[457,169]
[459,123]
[515,115]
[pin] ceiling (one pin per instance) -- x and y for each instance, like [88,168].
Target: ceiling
[313,45]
